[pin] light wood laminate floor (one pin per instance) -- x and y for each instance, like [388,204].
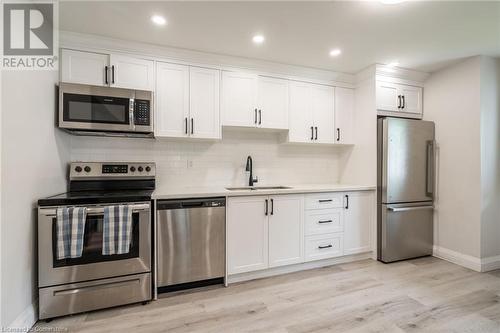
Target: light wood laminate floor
[422,295]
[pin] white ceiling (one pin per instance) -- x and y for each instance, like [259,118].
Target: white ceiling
[421,35]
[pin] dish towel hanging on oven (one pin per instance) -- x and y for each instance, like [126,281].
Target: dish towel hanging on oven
[70,230]
[117,227]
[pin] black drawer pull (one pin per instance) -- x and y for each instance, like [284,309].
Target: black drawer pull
[325,246]
[325,221]
[325,200]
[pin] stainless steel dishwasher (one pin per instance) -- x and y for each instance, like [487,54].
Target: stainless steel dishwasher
[191,237]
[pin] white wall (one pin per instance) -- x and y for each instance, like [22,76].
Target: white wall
[490,157]
[452,101]
[34,157]
[197,163]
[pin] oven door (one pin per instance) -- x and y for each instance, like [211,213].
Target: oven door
[93,264]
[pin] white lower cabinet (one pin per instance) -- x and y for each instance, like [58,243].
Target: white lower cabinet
[358,217]
[324,246]
[264,232]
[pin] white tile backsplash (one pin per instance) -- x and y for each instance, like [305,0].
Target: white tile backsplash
[222,163]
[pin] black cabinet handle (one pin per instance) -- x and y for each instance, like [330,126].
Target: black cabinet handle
[338,134]
[113,74]
[325,246]
[106,75]
[186,125]
[316,128]
[325,200]
[267,209]
[260,116]
[325,221]
[404,104]
[312,133]
[399,101]
[255,118]
[346,201]
[192,125]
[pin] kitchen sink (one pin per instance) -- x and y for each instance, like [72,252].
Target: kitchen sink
[256,188]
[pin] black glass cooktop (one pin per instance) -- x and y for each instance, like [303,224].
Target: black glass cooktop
[96,197]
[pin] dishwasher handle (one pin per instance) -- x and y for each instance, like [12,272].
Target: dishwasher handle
[191,203]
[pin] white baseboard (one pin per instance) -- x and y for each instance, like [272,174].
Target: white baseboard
[25,321]
[465,260]
[297,267]
[490,263]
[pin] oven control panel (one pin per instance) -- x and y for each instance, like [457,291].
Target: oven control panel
[79,170]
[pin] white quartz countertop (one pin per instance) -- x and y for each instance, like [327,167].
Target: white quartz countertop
[165,192]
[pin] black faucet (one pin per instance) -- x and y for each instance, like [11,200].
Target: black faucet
[249,167]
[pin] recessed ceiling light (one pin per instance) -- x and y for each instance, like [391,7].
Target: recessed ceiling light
[393,64]
[335,52]
[258,39]
[158,20]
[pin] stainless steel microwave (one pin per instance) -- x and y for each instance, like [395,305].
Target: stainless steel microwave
[94,110]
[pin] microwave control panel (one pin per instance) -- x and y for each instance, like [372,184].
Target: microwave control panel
[142,112]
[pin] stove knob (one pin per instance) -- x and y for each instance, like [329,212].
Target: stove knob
[140,169]
[132,168]
[78,168]
[148,168]
[87,169]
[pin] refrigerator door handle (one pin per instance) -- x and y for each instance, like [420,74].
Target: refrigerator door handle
[405,209]
[429,187]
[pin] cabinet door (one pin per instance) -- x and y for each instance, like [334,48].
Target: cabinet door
[286,230]
[239,99]
[358,214]
[387,96]
[204,103]
[412,101]
[300,117]
[172,100]
[247,234]
[344,115]
[273,103]
[84,67]
[323,113]
[131,73]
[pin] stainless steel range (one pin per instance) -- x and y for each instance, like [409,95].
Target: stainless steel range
[94,280]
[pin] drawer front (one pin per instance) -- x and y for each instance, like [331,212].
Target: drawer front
[324,246]
[324,200]
[86,296]
[324,221]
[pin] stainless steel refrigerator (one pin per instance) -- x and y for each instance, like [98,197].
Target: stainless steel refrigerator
[405,188]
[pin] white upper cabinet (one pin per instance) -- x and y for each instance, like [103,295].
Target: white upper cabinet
[358,212]
[107,70]
[250,100]
[400,99]
[286,235]
[311,117]
[344,115]
[187,102]
[172,100]
[204,108]
[131,73]
[84,67]
[239,99]
[273,103]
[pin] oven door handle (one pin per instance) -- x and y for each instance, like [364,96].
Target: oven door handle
[98,210]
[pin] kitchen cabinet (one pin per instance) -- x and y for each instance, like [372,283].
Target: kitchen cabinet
[264,231]
[187,102]
[403,100]
[111,70]
[247,234]
[250,100]
[311,118]
[344,115]
[358,213]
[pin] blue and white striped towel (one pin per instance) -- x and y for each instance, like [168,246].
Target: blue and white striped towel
[117,227]
[70,230]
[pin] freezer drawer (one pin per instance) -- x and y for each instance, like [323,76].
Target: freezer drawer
[191,240]
[405,231]
[99,294]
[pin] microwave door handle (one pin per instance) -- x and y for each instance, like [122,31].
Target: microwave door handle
[131,114]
